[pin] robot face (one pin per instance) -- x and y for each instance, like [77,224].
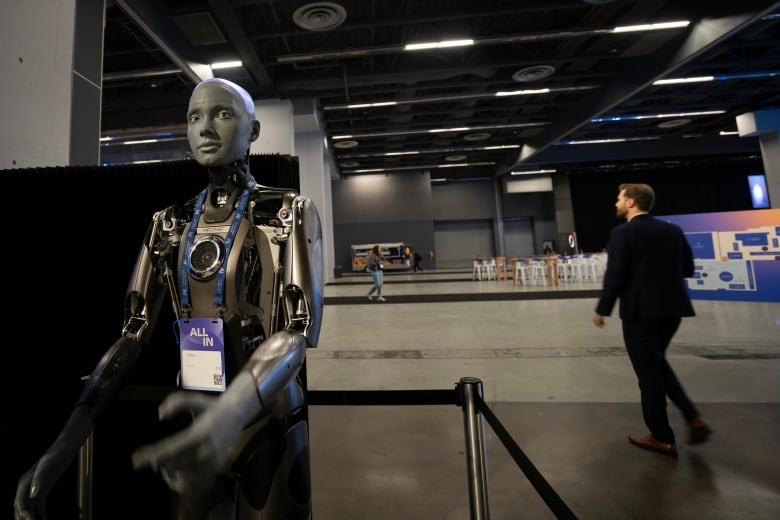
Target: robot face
[206,256]
[219,128]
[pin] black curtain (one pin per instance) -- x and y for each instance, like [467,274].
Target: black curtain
[72,235]
[678,192]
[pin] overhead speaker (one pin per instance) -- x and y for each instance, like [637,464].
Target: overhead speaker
[319,16]
[534,73]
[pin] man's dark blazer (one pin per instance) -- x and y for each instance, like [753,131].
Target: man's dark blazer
[647,263]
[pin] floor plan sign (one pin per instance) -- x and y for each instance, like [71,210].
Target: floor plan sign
[736,254]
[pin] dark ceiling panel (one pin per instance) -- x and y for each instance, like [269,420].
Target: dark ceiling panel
[445,110]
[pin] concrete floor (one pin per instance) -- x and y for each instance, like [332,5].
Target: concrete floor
[562,389]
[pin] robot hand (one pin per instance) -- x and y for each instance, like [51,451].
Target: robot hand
[30,500]
[190,460]
[34,486]
[180,403]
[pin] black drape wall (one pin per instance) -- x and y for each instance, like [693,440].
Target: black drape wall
[71,241]
[678,192]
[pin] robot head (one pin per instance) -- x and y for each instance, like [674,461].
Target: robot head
[221,124]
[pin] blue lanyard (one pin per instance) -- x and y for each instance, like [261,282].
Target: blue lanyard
[184,285]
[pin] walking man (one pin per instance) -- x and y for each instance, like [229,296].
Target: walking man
[648,261]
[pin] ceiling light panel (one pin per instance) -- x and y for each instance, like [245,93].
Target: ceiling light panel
[535,74]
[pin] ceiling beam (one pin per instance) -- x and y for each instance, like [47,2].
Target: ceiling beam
[696,147]
[226,17]
[641,73]
[155,22]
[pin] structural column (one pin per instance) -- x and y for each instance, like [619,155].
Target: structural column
[52,64]
[316,173]
[764,124]
[564,215]
[295,129]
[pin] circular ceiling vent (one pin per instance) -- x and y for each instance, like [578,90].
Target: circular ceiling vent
[319,16]
[343,145]
[478,136]
[673,123]
[534,73]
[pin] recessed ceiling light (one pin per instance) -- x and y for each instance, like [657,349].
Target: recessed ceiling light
[673,123]
[535,73]
[319,16]
[343,145]
[455,157]
[477,136]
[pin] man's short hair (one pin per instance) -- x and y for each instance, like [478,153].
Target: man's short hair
[642,194]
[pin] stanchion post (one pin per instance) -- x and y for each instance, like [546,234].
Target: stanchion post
[85,479]
[85,475]
[471,389]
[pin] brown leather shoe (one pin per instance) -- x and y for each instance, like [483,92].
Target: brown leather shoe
[648,442]
[698,431]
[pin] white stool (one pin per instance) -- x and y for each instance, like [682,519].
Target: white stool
[538,272]
[489,271]
[476,269]
[565,271]
[577,269]
[520,272]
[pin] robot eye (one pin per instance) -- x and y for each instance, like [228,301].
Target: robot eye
[206,256]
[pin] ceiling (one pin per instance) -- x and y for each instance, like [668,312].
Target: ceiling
[572,77]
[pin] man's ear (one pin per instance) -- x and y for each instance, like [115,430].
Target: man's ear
[255,131]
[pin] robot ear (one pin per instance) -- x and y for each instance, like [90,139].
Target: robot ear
[255,131]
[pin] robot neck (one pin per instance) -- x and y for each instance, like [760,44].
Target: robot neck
[225,185]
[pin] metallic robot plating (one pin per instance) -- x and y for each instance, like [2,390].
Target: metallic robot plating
[241,264]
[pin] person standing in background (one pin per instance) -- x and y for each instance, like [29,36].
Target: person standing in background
[417,262]
[649,260]
[374,266]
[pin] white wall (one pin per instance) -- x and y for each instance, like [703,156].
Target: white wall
[37,40]
[276,127]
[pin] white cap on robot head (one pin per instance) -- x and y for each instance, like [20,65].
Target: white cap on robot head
[249,104]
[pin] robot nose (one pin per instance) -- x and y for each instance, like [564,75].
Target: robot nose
[207,130]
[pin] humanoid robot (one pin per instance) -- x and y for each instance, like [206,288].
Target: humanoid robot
[242,266]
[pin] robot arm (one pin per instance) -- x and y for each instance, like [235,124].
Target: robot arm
[303,290]
[189,460]
[148,286]
[103,384]
[143,300]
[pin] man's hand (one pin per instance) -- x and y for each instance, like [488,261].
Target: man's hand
[598,320]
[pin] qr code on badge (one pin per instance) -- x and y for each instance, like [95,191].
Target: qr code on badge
[218,379]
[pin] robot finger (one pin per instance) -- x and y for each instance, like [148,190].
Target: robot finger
[180,404]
